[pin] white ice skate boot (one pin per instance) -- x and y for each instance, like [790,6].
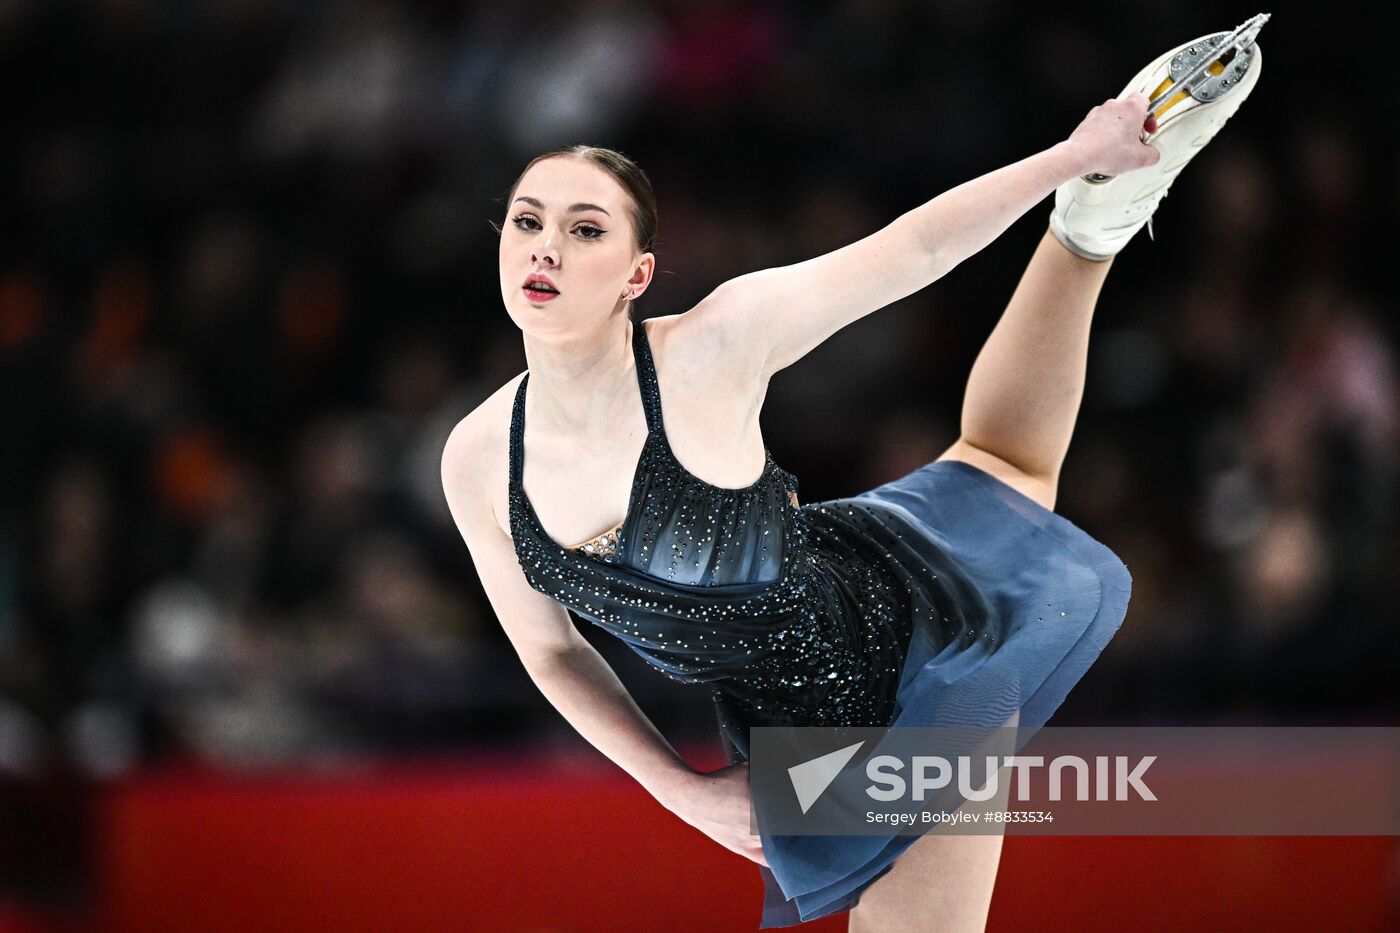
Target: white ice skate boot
[1193,90]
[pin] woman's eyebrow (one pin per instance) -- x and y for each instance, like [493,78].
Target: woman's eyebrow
[573,208]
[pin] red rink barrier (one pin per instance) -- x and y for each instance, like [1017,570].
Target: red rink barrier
[545,845]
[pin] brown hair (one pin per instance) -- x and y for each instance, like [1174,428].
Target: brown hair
[627,174]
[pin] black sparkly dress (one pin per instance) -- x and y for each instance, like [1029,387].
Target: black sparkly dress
[942,598]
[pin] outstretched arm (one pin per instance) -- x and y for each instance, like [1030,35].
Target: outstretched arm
[783,313]
[573,676]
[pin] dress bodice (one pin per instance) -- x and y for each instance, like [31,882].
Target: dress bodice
[678,526]
[796,615]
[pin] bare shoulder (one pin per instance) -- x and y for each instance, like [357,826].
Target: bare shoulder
[475,461]
[710,342]
[713,386]
[476,457]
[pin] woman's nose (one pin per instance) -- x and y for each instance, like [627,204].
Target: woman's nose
[546,254]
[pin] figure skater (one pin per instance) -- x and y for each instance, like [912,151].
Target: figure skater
[643,497]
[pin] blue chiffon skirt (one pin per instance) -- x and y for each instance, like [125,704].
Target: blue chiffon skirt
[1050,595]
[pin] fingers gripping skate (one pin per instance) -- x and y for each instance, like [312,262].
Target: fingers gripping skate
[1192,90]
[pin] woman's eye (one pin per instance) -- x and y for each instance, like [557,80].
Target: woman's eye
[588,231]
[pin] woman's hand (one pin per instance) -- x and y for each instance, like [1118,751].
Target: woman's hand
[718,804]
[1110,138]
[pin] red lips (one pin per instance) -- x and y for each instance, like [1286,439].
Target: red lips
[543,279]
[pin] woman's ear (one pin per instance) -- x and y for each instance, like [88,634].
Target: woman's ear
[641,275]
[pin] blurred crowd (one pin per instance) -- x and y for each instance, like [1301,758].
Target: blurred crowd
[250,285]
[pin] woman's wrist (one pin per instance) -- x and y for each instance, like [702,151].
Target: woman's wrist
[672,784]
[1073,158]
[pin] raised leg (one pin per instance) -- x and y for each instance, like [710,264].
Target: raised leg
[1025,387]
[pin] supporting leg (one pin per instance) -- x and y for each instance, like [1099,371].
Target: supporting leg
[941,882]
[1025,387]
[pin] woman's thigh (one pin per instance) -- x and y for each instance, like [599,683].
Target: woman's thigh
[1038,488]
[941,882]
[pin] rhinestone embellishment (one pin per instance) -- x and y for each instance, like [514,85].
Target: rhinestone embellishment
[605,545]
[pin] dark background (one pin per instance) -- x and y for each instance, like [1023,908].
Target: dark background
[249,284]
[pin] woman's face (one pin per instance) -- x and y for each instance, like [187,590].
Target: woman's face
[569,222]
